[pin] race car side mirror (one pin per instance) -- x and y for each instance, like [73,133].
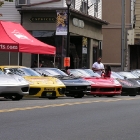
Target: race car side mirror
[125,77]
[44,74]
[6,71]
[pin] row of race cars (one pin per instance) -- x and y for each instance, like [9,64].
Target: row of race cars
[19,81]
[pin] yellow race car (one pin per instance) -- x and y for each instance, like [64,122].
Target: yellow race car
[40,86]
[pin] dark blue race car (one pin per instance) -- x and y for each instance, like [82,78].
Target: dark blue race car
[75,87]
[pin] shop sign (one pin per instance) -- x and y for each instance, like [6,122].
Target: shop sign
[9,47]
[66,61]
[84,50]
[43,19]
[78,23]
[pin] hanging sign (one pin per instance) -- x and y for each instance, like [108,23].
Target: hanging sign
[61,23]
[66,61]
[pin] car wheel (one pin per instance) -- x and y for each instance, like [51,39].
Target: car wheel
[16,98]
[68,95]
[132,95]
[6,97]
[110,95]
[99,95]
[51,98]
[80,95]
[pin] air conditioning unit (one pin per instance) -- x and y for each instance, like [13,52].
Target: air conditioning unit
[22,2]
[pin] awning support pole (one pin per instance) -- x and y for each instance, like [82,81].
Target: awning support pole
[9,57]
[38,61]
[18,58]
[54,62]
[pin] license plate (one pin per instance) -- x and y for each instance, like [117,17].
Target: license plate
[49,93]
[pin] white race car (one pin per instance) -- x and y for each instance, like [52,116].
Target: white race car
[13,86]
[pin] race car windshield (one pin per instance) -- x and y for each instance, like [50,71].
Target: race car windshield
[76,73]
[127,75]
[91,73]
[24,72]
[138,72]
[54,72]
[116,75]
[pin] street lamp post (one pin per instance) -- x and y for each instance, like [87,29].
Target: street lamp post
[123,34]
[68,2]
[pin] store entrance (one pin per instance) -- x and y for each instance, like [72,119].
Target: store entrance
[78,52]
[135,57]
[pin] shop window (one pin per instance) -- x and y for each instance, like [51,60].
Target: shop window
[50,38]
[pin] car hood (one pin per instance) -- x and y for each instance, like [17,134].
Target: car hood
[75,81]
[102,81]
[128,83]
[8,80]
[41,80]
[135,81]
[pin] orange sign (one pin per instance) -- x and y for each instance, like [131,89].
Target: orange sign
[66,61]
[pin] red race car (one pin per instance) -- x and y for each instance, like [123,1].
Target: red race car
[100,86]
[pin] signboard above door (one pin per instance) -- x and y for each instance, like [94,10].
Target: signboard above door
[43,19]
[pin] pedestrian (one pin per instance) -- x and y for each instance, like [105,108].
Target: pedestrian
[107,71]
[34,65]
[98,67]
[40,64]
[67,70]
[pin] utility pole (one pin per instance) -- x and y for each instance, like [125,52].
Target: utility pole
[123,35]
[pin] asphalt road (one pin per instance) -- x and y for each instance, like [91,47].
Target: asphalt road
[89,118]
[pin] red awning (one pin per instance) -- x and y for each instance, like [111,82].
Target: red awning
[14,38]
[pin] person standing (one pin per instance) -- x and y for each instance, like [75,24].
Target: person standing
[98,67]
[107,71]
[34,65]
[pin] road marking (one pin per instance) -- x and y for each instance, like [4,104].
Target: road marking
[65,104]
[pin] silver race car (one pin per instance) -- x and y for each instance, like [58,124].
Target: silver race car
[13,86]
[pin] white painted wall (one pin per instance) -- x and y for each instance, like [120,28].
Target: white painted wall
[53,4]
[9,12]
[62,3]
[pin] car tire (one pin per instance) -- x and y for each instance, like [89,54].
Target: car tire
[17,97]
[51,98]
[132,95]
[99,95]
[80,95]
[110,95]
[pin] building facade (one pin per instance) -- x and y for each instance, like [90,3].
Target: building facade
[123,18]
[39,18]
[9,13]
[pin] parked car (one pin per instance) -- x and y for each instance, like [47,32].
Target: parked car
[13,86]
[135,80]
[75,86]
[40,86]
[129,87]
[99,86]
[136,72]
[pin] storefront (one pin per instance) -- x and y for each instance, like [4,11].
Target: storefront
[85,36]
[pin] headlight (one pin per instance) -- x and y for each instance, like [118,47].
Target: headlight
[116,82]
[88,87]
[59,82]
